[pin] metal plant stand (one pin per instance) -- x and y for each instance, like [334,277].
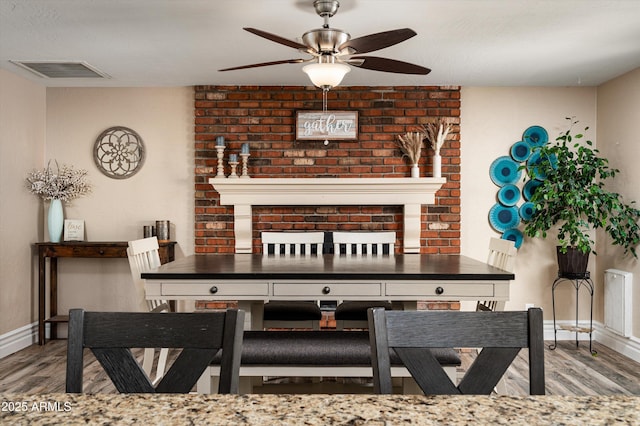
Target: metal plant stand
[578,281]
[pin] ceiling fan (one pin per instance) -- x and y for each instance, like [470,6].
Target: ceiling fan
[332,50]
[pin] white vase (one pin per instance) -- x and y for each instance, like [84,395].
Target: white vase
[437,166]
[55,221]
[415,171]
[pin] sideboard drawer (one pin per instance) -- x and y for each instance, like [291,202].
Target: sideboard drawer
[85,251]
[235,289]
[320,290]
[441,290]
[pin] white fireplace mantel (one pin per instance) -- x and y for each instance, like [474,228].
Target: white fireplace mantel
[242,194]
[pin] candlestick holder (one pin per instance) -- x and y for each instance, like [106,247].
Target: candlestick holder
[220,155]
[245,161]
[234,165]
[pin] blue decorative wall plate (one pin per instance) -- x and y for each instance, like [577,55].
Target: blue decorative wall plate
[504,170]
[536,136]
[513,235]
[520,151]
[535,160]
[509,195]
[526,210]
[533,167]
[502,218]
[530,187]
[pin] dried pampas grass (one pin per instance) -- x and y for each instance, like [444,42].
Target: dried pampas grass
[437,133]
[411,145]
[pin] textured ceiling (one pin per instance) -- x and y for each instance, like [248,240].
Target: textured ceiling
[464,42]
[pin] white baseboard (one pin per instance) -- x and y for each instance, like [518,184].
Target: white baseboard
[18,339]
[629,347]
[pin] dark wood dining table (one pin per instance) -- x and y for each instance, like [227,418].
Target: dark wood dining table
[254,279]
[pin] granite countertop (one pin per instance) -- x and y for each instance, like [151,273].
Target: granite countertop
[176,409]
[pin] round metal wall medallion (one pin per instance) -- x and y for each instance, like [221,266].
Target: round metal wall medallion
[119,152]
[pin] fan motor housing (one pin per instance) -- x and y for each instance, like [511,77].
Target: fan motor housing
[326,7]
[325,40]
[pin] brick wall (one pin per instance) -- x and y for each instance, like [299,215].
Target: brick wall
[264,116]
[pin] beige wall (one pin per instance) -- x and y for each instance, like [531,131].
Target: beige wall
[493,119]
[619,141]
[118,208]
[69,120]
[22,147]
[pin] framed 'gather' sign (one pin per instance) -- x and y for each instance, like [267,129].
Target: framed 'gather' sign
[327,125]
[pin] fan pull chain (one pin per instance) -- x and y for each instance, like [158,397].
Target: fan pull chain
[325,90]
[324,99]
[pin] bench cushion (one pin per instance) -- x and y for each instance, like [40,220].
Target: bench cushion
[357,311]
[317,348]
[292,311]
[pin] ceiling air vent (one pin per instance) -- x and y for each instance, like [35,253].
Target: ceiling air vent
[51,69]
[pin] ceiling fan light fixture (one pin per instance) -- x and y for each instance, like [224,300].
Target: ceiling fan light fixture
[332,50]
[326,75]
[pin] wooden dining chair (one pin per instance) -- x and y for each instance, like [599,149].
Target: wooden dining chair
[110,335]
[412,333]
[143,256]
[292,314]
[353,314]
[502,254]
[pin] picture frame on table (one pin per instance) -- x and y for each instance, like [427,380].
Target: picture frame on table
[73,230]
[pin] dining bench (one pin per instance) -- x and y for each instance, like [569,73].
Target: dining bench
[286,353]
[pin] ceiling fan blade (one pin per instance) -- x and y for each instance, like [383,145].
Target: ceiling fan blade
[277,39]
[378,41]
[265,64]
[388,65]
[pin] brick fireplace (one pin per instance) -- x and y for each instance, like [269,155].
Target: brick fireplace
[264,116]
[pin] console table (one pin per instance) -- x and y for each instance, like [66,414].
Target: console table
[82,249]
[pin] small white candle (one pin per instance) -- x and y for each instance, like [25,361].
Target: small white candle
[233,158]
[220,141]
[245,148]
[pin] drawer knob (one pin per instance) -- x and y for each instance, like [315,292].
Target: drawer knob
[439,290]
[326,290]
[101,252]
[213,290]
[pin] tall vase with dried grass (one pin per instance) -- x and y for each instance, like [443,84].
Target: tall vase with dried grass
[411,146]
[437,134]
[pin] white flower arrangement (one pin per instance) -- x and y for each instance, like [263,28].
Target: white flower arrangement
[65,183]
[411,145]
[437,134]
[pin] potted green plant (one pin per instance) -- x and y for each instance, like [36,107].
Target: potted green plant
[572,199]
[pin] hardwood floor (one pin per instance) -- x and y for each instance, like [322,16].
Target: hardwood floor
[574,371]
[569,371]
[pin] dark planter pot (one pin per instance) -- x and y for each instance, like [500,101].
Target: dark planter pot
[573,263]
